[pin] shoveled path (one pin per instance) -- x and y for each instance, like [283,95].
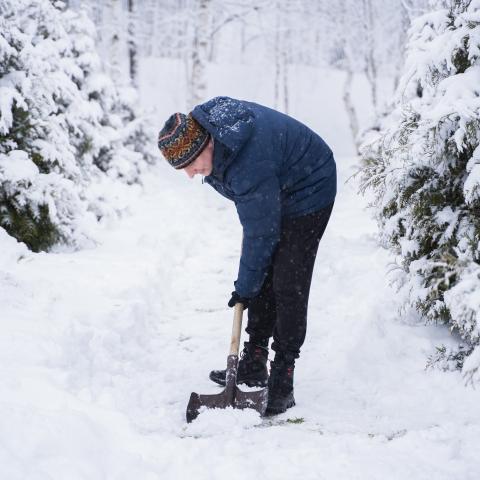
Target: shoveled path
[100,350]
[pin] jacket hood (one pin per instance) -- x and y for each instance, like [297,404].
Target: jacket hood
[228,120]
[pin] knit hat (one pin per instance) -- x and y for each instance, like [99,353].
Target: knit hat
[182,140]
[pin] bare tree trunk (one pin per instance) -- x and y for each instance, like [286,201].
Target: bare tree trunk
[281,81]
[212,51]
[114,38]
[405,24]
[350,108]
[243,40]
[285,73]
[198,82]
[282,43]
[278,69]
[371,69]
[150,31]
[97,15]
[185,29]
[157,46]
[132,44]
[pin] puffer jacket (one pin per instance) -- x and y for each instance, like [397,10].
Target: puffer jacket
[272,166]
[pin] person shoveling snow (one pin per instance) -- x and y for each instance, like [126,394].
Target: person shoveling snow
[282,178]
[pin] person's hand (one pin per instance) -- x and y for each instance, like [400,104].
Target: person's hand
[236,298]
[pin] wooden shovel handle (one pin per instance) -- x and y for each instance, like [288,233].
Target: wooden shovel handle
[237,329]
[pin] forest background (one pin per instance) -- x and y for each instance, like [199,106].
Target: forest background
[105,305]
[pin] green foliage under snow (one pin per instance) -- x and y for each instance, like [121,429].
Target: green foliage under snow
[67,133]
[424,170]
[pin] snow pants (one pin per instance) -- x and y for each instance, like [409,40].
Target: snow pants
[280,309]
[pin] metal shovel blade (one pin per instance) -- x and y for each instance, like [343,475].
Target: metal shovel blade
[231,396]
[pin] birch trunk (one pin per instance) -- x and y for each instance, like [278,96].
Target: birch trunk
[114,46]
[350,108]
[198,82]
[285,56]
[276,96]
[132,44]
[370,60]
[281,73]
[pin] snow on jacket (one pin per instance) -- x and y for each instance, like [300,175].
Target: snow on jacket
[272,167]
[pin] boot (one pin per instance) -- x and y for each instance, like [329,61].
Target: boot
[252,367]
[280,385]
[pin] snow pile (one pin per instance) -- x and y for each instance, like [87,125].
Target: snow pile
[229,421]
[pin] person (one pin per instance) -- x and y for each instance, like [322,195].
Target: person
[282,178]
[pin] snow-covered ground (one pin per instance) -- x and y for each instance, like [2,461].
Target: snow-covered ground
[100,349]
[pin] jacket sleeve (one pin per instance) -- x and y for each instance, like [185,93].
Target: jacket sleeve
[259,209]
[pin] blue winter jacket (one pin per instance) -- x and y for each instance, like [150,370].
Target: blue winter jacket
[272,167]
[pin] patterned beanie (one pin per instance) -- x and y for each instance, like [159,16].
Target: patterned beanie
[182,140]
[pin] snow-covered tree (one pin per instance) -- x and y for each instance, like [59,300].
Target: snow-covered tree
[424,168]
[63,125]
[40,181]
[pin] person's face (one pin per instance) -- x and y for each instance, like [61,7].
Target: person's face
[203,164]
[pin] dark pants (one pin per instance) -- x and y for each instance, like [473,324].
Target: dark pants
[280,309]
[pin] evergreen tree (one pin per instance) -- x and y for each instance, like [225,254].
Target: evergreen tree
[424,168]
[64,128]
[40,200]
[117,138]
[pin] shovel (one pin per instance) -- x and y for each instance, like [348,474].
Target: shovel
[231,396]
